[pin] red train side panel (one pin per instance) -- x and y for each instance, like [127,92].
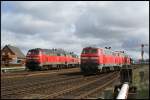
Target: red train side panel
[97,59]
[48,58]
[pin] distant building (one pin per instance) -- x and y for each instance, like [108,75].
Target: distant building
[12,55]
[145,61]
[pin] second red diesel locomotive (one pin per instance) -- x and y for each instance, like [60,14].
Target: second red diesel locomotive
[102,60]
[38,59]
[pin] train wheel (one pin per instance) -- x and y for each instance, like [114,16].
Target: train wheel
[58,67]
[61,66]
[68,66]
[118,68]
[100,71]
[64,66]
[103,70]
[108,69]
[115,68]
[41,68]
[46,67]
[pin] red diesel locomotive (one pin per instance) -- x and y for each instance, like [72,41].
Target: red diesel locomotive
[102,60]
[39,59]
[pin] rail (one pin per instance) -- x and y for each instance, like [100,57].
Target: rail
[12,68]
[78,92]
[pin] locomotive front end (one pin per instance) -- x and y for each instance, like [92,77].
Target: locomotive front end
[89,60]
[33,61]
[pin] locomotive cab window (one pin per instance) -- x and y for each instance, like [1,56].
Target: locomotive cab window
[58,54]
[93,50]
[33,52]
[51,54]
[86,51]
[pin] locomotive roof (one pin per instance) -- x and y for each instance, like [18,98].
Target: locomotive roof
[107,49]
[90,47]
[56,51]
[122,53]
[110,50]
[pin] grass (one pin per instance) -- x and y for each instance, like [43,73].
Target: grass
[142,83]
[142,86]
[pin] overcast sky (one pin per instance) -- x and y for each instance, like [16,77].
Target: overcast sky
[76,24]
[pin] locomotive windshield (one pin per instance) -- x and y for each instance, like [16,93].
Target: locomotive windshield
[34,52]
[86,51]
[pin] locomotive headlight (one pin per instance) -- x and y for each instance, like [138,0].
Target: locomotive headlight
[27,57]
[35,58]
[89,58]
[84,57]
[94,58]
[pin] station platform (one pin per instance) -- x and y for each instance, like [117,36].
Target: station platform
[10,69]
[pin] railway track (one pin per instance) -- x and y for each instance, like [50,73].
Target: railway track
[25,80]
[23,88]
[135,66]
[8,83]
[14,92]
[36,82]
[36,86]
[35,73]
[53,86]
[80,91]
[97,89]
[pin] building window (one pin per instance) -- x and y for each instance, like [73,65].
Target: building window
[18,61]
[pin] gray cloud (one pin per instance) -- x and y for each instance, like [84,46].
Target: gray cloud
[106,22]
[74,25]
